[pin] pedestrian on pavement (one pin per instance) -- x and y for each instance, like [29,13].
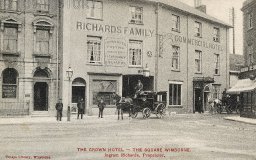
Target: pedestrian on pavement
[80,106]
[101,106]
[59,108]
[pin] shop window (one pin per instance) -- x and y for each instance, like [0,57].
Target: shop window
[94,50]
[42,41]
[10,40]
[136,14]
[198,61]
[135,53]
[9,86]
[94,9]
[250,20]
[11,5]
[198,29]
[176,23]
[175,58]
[174,94]
[217,64]
[216,91]
[42,5]
[104,89]
[216,34]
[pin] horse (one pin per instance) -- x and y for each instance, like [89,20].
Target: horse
[123,103]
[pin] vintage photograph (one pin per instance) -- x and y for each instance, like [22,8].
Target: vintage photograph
[128,79]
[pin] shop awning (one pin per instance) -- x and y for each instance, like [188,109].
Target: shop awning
[243,85]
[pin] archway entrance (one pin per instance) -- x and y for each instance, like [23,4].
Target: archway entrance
[41,96]
[78,91]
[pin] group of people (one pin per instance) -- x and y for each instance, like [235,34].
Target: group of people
[101,104]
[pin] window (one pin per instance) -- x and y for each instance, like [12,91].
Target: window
[217,64]
[250,54]
[10,39]
[11,5]
[42,5]
[216,91]
[198,29]
[175,23]
[94,49]
[42,41]
[198,62]
[174,94]
[9,89]
[175,58]
[136,15]
[94,9]
[216,34]
[135,53]
[250,20]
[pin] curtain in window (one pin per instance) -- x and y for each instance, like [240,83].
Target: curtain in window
[10,39]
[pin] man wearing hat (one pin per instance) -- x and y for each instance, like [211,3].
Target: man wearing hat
[59,108]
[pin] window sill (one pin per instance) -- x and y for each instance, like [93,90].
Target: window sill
[198,36]
[43,14]
[38,55]
[98,19]
[10,11]
[198,73]
[249,29]
[175,70]
[132,66]
[94,64]
[216,74]
[175,30]
[175,106]
[10,54]
[136,23]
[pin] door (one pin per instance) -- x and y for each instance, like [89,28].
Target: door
[41,96]
[198,100]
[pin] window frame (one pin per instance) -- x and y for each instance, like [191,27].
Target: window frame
[10,38]
[178,94]
[250,54]
[216,37]
[198,33]
[200,60]
[250,20]
[176,58]
[176,24]
[90,10]
[141,53]
[94,40]
[134,20]
[41,41]
[43,7]
[217,64]
[10,84]
[10,6]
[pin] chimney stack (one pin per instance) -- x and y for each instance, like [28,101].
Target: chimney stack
[199,6]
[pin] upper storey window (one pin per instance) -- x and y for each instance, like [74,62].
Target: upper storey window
[198,29]
[11,5]
[250,20]
[175,23]
[216,34]
[42,5]
[136,14]
[10,38]
[94,9]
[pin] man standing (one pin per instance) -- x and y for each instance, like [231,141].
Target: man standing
[101,106]
[59,108]
[138,89]
[80,106]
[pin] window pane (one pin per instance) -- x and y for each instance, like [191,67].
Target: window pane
[94,49]
[10,39]
[135,53]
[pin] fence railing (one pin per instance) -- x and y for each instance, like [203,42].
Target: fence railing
[14,108]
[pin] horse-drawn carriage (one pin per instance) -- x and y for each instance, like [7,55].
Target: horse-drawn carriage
[146,102]
[150,102]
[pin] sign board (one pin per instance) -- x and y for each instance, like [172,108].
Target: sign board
[9,91]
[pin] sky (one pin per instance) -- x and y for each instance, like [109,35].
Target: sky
[220,9]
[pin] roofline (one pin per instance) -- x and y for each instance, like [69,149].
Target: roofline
[245,6]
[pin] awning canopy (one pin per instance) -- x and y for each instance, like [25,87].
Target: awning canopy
[243,85]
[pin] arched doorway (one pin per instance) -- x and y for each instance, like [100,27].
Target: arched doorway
[78,91]
[207,97]
[41,90]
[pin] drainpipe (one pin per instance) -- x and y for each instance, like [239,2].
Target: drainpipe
[157,46]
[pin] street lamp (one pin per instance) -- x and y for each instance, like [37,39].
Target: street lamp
[69,74]
[145,71]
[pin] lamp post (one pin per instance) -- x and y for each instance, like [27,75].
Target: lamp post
[69,73]
[145,71]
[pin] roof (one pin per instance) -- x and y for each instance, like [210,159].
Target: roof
[247,3]
[191,10]
[236,62]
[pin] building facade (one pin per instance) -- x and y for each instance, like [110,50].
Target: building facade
[28,56]
[108,44]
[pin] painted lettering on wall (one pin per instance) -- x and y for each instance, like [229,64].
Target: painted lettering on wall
[134,31]
[191,41]
[115,52]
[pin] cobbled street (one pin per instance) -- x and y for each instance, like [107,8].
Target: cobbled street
[200,136]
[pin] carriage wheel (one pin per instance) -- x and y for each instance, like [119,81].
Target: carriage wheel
[134,114]
[160,110]
[146,112]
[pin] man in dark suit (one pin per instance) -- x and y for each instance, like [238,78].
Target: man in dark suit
[59,108]
[101,106]
[80,106]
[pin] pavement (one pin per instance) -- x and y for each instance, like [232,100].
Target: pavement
[107,118]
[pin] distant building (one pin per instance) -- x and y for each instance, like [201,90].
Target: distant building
[236,62]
